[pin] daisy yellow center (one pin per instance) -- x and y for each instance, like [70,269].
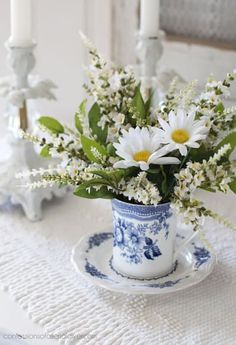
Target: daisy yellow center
[142,156]
[180,136]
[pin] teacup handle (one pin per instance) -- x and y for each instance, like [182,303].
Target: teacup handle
[182,245]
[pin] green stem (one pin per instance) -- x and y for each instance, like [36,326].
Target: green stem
[164,182]
[180,167]
[184,160]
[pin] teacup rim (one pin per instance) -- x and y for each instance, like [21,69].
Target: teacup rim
[136,205]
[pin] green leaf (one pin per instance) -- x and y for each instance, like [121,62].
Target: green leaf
[197,155]
[51,124]
[208,189]
[153,170]
[107,175]
[94,117]
[115,176]
[45,152]
[139,104]
[148,104]
[92,193]
[234,122]
[95,182]
[80,115]
[230,139]
[220,108]
[111,150]
[88,145]
[232,186]
[112,177]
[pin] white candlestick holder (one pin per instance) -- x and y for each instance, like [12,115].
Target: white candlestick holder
[18,90]
[149,51]
[154,80]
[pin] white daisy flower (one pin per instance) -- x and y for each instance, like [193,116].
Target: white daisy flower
[139,148]
[181,131]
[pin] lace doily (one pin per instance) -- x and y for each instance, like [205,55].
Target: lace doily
[35,269]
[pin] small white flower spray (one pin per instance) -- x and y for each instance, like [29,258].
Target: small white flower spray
[208,175]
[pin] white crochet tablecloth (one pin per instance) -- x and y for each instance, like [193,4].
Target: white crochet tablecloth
[35,269]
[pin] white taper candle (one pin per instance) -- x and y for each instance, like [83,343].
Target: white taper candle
[21,23]
[150,13]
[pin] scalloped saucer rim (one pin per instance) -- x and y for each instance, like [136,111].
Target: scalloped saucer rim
[94,262]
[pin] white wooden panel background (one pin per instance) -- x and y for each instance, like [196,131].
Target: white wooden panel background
[112,25]
[59,53]
[189,59]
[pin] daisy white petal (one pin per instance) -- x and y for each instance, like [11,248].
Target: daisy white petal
[167,160]
[138,147]
[159,153]
[181,131]
[180,118]
[124,164]
[194,145]
[144,166]
[172,119]
[197,137]
[164,125]
[183,150]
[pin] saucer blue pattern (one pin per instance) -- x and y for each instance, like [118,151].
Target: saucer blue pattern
[92,257]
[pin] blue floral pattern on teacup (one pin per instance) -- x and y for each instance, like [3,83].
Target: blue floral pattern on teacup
[141,233]
[135,240]
[119,230]
[151,249]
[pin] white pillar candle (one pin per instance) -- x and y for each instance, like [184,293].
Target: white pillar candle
[150,12]
[21,23]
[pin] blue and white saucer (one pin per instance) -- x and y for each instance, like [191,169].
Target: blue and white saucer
[92,257]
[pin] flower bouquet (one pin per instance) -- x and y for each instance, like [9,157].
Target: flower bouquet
[148,160]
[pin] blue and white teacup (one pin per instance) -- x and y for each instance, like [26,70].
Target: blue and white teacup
[144,239]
